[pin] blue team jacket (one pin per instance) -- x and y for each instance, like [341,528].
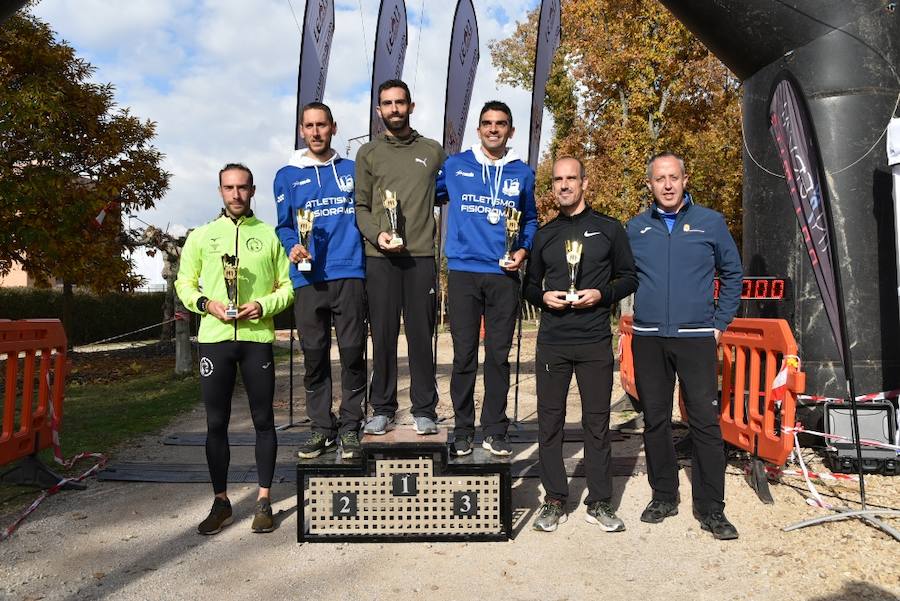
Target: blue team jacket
[675,272]
[326,189]
[473,186]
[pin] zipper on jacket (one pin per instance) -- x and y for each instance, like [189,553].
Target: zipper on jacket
[668,270]
[237,284]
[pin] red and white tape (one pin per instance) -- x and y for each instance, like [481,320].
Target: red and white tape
[863,398]
[776,472]
[862,441]
[67,463]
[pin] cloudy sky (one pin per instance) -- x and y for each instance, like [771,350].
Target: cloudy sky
[219,79]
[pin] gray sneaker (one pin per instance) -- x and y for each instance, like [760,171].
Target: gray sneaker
[425,425]
[602,514]
[378,424]
[549,516]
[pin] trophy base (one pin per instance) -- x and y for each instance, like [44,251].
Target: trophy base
[304,265]
[505,262]
[231,313]
[571,297]
[395,241]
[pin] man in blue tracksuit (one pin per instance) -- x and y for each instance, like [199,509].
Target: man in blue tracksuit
[479,185]
[679,247]
[333,291]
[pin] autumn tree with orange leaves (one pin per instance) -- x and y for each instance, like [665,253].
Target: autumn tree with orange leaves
[628,81]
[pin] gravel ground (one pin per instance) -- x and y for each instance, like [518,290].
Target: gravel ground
[138,541]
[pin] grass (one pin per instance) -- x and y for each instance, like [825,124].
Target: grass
[101,417]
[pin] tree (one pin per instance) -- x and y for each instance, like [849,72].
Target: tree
[67,152]
[628,81]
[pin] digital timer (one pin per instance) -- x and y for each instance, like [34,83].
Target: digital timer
[759,288]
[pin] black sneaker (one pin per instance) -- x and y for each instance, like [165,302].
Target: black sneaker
[497,445]
[716,523]
[317,444]
[657,511]
[263,520]
[462,445]
[219,517]
[350,446]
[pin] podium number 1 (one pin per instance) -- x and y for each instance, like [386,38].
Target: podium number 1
[343,504]
[404,485]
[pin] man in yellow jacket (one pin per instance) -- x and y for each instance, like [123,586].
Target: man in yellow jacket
[236,331]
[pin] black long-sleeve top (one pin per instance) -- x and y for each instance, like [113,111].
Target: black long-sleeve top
[606,265]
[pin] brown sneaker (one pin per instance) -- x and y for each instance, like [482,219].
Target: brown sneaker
[219,517]
[263,520]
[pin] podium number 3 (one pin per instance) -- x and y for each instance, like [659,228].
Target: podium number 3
[343,504]
[465,503]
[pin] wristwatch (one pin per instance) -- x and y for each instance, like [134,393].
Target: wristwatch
[201,304]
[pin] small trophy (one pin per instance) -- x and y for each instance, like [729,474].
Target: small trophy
[512,234]
[390,207]
[230,269]
[305,219]
[573,258]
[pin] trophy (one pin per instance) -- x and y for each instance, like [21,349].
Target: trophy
[230,269]
[573,257]
[305,219]
[390,207]
[512,233]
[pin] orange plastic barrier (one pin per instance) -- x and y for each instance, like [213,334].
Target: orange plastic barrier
[38,346]
[752,352]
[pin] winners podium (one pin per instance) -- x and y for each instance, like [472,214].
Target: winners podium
[404,487]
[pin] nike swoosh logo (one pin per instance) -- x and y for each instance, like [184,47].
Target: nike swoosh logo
[588,234]
[646,229]
[266,366]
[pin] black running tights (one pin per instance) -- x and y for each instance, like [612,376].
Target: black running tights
[219,363]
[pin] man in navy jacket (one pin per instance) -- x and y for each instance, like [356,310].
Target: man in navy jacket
[479,186]
[319,180]
[679,247]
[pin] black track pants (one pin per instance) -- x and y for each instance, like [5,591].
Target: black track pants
[316,307]
[395,285]
[219,363]
[496,298]
[592,365]
[656,362]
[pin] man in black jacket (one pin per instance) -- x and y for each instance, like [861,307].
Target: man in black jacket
[575,336]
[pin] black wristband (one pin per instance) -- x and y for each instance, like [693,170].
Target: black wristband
[201,304]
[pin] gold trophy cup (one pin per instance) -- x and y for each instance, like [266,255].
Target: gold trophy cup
[390,207]
[305,220]
[230,271]
[573,258]
[512,217]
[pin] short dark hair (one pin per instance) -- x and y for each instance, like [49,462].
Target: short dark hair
[581,170]
[235,167]
[665,154]
[394,83]
[495,105]
[317,106]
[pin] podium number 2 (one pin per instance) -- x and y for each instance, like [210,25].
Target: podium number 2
[404,485]
[465,503]
[343,504]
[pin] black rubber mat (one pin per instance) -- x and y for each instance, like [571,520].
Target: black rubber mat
[524,434]
[284,472]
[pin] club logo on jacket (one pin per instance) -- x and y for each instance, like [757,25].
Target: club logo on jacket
[511,187]
[254,245]
[345,183]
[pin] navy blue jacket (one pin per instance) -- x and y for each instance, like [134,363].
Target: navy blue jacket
[676,271]
[327,189]
[473,187]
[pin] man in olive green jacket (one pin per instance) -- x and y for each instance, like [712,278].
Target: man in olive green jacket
[236,331]
[400,273]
